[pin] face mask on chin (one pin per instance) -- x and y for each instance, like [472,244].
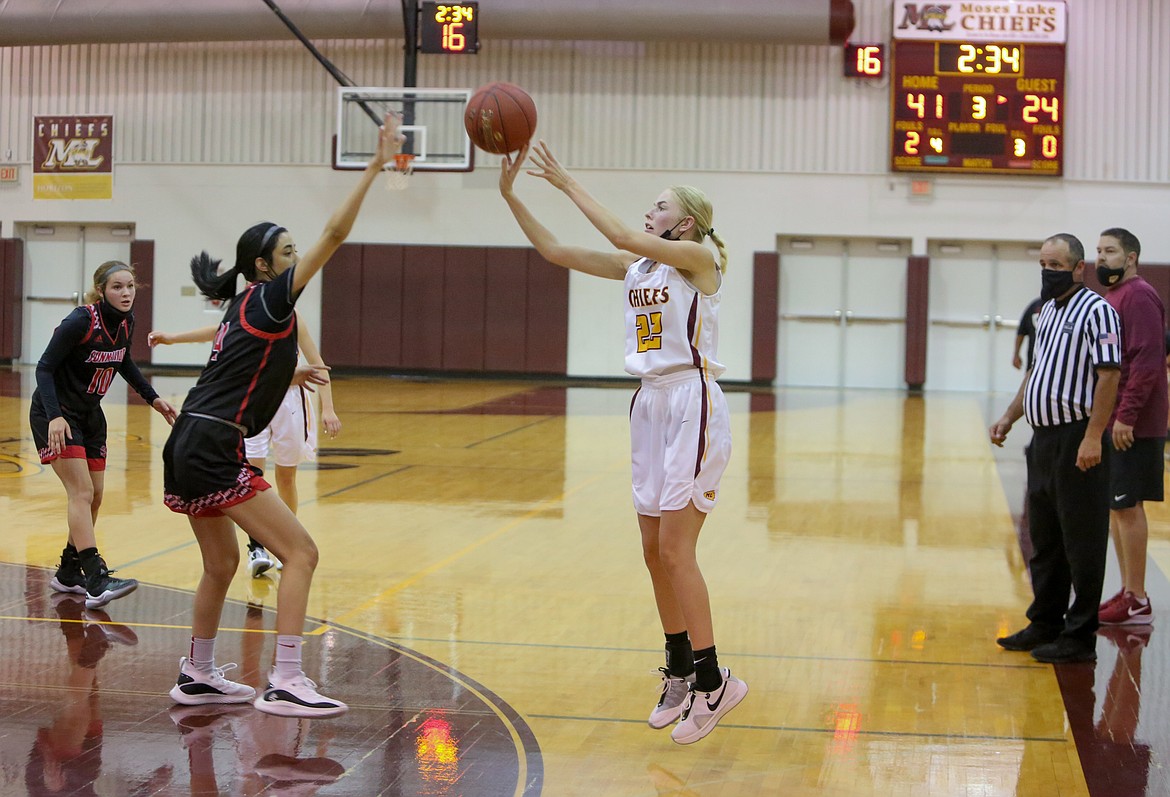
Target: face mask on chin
[1055,283]
[1109,276]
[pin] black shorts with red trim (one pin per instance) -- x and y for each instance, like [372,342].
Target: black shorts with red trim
[86,439]
[205,469]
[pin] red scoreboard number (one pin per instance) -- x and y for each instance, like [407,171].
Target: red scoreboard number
[977,107]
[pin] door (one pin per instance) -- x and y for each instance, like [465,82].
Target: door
[978,290]
[842,312]
[59,261]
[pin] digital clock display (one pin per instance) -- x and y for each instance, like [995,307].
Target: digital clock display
[979,59]
[449,28]
[977,107]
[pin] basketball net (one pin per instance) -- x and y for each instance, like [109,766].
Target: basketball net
[398,172]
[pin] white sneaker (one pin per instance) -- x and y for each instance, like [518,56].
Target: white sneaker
[670,701]
[297,697]
[195,688]
[702,710]
[259,562]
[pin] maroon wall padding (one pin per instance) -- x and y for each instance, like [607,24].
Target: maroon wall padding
[422,307]
[142,258]
[379,319]
[547,331]
[464,289]
[435,308]
[341,308]
[506,310]
[765,315]
[11,297]
[917,319]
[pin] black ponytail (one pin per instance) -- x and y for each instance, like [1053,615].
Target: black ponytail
[258,241]
[212,284]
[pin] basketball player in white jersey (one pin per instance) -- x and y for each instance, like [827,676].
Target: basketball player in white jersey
[679,426]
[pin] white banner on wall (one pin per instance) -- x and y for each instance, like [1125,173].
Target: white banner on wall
[981,21]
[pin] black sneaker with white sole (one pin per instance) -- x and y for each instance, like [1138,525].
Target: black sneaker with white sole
[101,588]
[69,577]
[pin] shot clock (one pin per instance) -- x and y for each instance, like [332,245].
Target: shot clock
[978,93]
[449,28]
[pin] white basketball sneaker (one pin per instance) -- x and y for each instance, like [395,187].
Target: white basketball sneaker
[195,688]
[703,710]
[670,701]
[297,697]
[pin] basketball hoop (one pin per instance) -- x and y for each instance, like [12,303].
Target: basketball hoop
[398,173]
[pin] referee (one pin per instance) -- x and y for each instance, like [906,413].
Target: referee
[1067,397]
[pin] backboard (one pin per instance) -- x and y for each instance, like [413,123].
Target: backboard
[432,120]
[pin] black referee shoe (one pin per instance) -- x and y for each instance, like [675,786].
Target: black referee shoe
[1065,650]
[1028,639]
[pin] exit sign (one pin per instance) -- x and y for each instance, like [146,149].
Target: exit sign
[9,174]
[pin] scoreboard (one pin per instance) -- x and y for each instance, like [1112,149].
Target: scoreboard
[978,93]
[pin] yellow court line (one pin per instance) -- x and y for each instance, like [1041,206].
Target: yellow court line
[421,574]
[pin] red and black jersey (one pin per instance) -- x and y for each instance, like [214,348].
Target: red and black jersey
[253,357]
[78,366]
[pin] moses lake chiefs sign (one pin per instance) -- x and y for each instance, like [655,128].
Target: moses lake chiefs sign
[73,157]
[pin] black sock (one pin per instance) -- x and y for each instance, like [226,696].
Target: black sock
[707,675]
[91,561]
[69,551]
[680,660]
[253,545]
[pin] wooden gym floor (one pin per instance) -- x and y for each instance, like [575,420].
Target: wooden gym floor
[482,605]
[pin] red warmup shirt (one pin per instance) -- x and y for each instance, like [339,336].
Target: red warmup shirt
[1141,395]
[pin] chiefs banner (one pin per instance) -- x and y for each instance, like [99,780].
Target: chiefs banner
[73,157]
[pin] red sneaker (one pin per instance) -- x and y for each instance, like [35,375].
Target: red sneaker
[1130,610]
[1120,594]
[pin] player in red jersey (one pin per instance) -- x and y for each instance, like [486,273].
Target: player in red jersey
[87,349]
[206,474]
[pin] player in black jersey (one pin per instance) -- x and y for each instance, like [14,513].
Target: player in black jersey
[78,366]
[206,473]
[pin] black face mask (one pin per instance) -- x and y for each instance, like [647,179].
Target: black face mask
[667,233]
[1109,276]
[1055,283]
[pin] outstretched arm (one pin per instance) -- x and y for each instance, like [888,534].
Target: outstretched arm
[201,335]
[609,265]
[337,229]
[688,256]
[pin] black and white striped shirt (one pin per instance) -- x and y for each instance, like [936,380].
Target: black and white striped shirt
[1073,339]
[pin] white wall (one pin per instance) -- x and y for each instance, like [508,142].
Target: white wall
[188,208]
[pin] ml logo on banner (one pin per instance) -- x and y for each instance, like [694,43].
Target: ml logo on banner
[73,157]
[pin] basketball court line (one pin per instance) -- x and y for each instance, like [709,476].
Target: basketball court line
[974,737]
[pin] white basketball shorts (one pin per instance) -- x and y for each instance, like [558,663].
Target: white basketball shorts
[680,443]
[291,438]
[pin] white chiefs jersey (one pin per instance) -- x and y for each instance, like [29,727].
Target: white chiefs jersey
[670,324]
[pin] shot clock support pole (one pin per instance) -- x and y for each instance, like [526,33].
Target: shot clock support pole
[410,56]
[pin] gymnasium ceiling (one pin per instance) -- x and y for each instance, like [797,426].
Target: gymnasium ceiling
[47,22]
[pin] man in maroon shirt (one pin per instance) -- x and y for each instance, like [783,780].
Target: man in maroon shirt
[1139,420]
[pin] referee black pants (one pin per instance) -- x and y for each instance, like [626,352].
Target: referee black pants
[1068,521]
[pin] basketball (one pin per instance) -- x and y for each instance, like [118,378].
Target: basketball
[500,118]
